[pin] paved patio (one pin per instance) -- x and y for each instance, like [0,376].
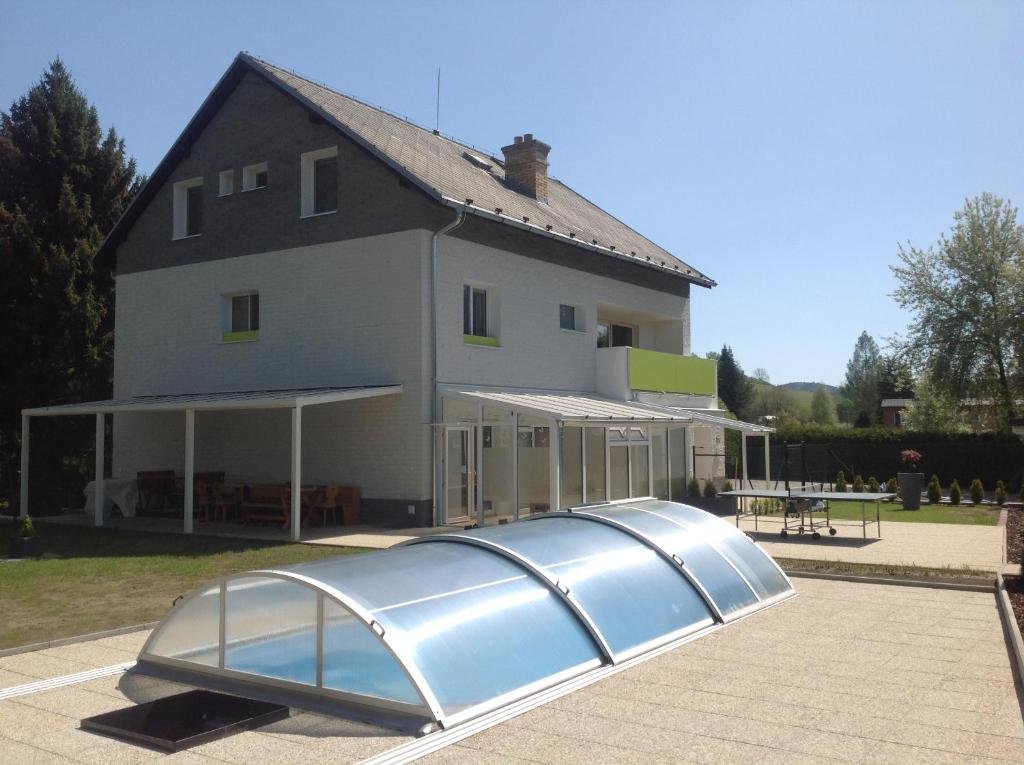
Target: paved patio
[843,673]
[932,545]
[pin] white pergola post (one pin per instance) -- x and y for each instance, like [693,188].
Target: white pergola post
[767,461]
[296,472]
[515,466]
[101,453]
[743,456]
[478,465]
[554,455]
[23,502]
[190,467]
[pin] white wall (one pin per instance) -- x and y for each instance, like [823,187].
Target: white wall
[341,314]
[535,352]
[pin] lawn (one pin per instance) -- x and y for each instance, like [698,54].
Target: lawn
[971,515]
[106,578]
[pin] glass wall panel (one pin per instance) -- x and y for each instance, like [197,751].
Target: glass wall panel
[533,442]
[677,463]
[571,471]
[619,471]
[497,470]
[476,625]
[356,661]
[659,460]
[633,595]
[639,466]
[709,567]
[270,629]
[596,489]
[192,630]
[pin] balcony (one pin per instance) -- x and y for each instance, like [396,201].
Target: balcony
[623,371]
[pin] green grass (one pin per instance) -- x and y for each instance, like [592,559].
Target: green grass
[105,578]
[970,515]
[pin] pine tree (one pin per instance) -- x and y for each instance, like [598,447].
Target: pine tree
[63,184]
[862,375]
[733,386]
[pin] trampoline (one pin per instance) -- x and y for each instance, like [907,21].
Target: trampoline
[448,627]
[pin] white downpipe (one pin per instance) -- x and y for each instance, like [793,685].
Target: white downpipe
[23,500]
[101,452]
[190,467]
[460,216]
[296,473]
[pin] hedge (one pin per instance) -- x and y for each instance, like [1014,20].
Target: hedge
[876,451]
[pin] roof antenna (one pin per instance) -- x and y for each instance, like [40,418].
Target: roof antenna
[437,105]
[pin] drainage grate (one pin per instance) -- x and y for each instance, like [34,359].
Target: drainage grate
[185,720]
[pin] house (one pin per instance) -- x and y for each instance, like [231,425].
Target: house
[312,289]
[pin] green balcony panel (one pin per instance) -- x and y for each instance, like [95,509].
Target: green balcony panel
[672,373]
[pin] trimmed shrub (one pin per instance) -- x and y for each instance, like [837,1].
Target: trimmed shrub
[693,487]
[873,485]
[934,491]
[858,483]
[977,491]
[709,489]
[727,485]
[954,492]
[891,486]
[1000,493]
[26,529]
[840,481]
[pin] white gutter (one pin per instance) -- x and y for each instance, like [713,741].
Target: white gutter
[459,218]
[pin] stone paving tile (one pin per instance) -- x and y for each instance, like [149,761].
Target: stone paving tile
[461,755]
[90,653]
[16,752]
[10,679]
[72,702]
[39,666]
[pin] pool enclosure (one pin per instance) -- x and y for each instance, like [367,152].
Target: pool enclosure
[450,626]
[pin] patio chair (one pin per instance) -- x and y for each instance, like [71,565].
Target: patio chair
[326,504]
[348,500]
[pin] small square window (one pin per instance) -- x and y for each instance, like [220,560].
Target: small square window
[567,317]
[227,183]
[255,177]
[245,313]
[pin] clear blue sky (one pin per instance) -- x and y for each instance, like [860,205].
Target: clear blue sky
[783,148]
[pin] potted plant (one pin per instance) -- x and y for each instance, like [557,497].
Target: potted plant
[25,543]
[910,483]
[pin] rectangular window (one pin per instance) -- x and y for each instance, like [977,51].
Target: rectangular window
[615,335]
[187,215]
[245,313]
[567,317]
[474,311]
[255,177]
[194,211]
[319,182]
[325,185]
[227,183]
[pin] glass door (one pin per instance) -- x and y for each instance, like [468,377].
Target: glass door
[459,492]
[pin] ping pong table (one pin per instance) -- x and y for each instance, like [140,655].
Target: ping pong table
[799,507]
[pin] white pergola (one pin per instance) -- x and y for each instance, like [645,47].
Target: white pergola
[190,403]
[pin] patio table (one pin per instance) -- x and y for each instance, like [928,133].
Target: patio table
[807,502]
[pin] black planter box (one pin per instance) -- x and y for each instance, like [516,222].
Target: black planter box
[26,547]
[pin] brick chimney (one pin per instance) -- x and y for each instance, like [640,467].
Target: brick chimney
[526,166]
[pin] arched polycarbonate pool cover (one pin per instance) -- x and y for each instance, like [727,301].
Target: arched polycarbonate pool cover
[457,624]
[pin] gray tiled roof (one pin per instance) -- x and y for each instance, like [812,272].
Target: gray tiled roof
[437,163]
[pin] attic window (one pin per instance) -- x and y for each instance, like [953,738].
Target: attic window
[480,162]
[255,177]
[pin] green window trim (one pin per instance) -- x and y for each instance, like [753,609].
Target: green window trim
[240,337]
[488,342]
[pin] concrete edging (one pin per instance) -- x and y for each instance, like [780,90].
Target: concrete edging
[1010,625]
[76,639]
[938,585]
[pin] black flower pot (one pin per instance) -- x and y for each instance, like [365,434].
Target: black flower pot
[911,485]
[26,547]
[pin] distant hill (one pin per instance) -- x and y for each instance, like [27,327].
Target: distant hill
[810,387]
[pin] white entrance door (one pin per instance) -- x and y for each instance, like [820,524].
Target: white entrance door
[459,475]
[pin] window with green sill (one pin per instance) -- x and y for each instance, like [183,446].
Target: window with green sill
[244,318]
[474,317]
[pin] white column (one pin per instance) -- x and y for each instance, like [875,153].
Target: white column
[190,467]
[554,459]
[743,457]
[101,453]
[515,466]
[23,503]
[296,472]
[767,461]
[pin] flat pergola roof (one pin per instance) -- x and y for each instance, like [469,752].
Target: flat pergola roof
[289,398]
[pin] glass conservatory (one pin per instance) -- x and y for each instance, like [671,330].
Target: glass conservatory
[450,626]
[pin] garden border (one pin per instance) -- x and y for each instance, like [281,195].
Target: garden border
[58,642]
[1010,625]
